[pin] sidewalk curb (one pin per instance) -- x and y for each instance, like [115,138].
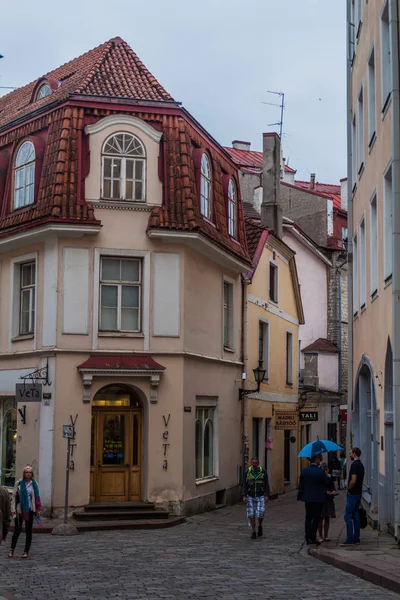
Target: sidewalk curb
[355,568]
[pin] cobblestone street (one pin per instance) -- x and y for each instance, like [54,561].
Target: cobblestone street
[211,556]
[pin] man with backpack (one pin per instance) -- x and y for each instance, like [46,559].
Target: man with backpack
[256,493]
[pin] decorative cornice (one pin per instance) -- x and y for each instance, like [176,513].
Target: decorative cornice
[130,120]
[88,374]
[100,204]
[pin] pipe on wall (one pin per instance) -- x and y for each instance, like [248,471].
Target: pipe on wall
[395,96]
[349,229]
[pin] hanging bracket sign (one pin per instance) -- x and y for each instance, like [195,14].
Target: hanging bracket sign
[28,392]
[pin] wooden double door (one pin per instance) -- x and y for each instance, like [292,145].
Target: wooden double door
[116,454]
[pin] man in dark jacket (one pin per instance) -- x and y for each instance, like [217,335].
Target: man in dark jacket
[5,512]
[256,493]
[313,485]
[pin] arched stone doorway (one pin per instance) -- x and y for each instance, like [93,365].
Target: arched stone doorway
[365,429]
[116,445]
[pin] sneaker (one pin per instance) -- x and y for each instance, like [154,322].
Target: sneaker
[345,544]
[260,531]
[253,536]
[357,543]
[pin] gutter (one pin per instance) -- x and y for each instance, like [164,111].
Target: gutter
[394,52]
[350,230]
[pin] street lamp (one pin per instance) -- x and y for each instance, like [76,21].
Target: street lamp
[259,374]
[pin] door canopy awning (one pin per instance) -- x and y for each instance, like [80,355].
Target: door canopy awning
[120,365]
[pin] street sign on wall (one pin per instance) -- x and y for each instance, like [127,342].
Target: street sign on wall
[285,419]
[28,392]
[309,415]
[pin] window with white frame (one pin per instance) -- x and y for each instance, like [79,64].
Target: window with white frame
[373,246]
[354,150]
[228,333]
[387,224]
[205,442]
[123,168]
[27,297]
[358,17]
[24,175]
[273,282]
[371,97]
[205,186]
[120,294]
[363,266]
[289,358]
[355,274]
[232,209]
[352,33]
[360,142]
[385,56]
[43,91]
[263,346]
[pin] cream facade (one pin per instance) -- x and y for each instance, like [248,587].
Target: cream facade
[373,141]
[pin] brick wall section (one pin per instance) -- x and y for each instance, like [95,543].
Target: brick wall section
[308,211]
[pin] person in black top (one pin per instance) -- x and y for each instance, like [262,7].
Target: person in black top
[354,492]
[312,488]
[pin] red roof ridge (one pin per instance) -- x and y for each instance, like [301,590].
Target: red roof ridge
[100,60]
[321,345]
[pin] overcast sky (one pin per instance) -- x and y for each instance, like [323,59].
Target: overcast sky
[218,57]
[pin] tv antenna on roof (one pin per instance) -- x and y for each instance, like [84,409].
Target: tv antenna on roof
[281,106]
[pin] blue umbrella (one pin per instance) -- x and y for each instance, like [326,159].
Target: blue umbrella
[318,447]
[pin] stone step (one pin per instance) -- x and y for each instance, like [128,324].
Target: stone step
[121,515]
[119,506]
[87,526]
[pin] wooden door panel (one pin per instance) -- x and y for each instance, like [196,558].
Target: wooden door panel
[114,485]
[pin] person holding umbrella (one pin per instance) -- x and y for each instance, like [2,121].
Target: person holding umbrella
[313,485]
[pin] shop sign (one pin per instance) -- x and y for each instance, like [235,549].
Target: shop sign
[310,415]
[285,419]
[28,392]
[343,415]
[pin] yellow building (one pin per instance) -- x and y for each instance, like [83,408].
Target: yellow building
[272,314]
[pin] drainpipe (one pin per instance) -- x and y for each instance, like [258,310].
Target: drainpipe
[245,406]
[350,231]
[394,53]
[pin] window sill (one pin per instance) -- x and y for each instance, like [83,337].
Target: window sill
[363,308]
[206,480]
[207,220]
[120,334]
[286,482]
[289,385]
[388,281]
[22,209]
[374,295]
[361,170]
[273,302]
[229,349]
[21,338]
[386,105]
[355,316]
[125,204]
[372,142]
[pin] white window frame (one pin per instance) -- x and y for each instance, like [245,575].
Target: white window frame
[23,168]
[122,179]
[358,18]
[30,290]
[264,323]
[355,274]
[387,223]
[276,276]
[43,91]
[354,149]
[289,349]
[385,52]
[210,403]
[371,97]
[232,208]
[122,253]
[15,297]
[120,284]
[360,132]
[373,245]
[206,184]
[363,263]
[228,311]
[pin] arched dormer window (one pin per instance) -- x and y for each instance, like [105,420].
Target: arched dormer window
[123,168]
[43,91]
[205,187]
[232,209]
[24,175]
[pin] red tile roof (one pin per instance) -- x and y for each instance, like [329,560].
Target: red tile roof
[321,345]
[121,362]
[254,232]
[246,158]
[110,70]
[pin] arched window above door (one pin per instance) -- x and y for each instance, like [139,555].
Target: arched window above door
[116,396]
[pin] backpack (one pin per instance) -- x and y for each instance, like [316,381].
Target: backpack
[363,517]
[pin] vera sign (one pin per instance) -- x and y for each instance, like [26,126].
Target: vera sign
[28,392]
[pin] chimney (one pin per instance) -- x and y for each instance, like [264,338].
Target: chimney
[312,181]
[238,145]
[343,193]
[271,210]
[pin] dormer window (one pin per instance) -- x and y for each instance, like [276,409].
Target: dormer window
[232,208]
[124,162]
[205,187]
[24,175]
[43,91]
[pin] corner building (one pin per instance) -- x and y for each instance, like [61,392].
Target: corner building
[122,242]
